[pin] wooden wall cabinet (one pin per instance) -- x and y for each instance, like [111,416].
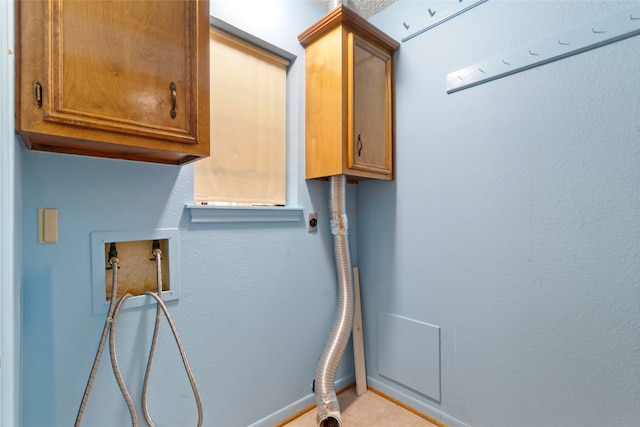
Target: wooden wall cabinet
[348,97]
[119,79]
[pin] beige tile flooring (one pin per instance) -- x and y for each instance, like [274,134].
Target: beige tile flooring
[368,410]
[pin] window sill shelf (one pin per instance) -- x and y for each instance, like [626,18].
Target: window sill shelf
[207,214]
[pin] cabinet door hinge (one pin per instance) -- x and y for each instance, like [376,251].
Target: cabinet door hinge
[37,94]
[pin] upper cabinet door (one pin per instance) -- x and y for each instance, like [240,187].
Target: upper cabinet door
[113,64]
[370,128]
[128,72]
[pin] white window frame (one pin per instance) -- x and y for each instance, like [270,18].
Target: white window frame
[290,212]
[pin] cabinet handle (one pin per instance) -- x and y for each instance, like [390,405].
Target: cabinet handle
[37,94]
[359,146]
[172,87]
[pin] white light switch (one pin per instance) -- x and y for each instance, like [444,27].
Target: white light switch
[48,225]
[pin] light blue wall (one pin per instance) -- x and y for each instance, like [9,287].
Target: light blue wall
[514,223]
[257,300]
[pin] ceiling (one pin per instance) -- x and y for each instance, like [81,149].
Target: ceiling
[365,8]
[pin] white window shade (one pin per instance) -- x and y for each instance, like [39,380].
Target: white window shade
[248,126]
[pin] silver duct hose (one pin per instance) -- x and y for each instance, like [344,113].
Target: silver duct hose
[324,384]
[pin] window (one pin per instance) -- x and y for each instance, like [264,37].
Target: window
[247,165]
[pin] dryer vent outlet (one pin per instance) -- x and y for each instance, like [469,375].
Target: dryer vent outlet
[312,222]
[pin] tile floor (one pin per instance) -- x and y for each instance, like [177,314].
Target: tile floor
[368,410]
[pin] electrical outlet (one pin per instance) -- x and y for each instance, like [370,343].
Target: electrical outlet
[312,222]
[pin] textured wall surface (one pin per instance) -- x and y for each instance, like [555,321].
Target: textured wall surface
[365,8]
[514,221]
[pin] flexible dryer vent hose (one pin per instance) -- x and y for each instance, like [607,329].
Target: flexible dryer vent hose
[324,385]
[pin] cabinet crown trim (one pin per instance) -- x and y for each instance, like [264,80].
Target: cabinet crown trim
[342,15]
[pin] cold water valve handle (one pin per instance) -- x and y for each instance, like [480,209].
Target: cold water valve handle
[155,249]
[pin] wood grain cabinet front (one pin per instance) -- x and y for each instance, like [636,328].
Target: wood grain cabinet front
[348,97]
[124,79]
